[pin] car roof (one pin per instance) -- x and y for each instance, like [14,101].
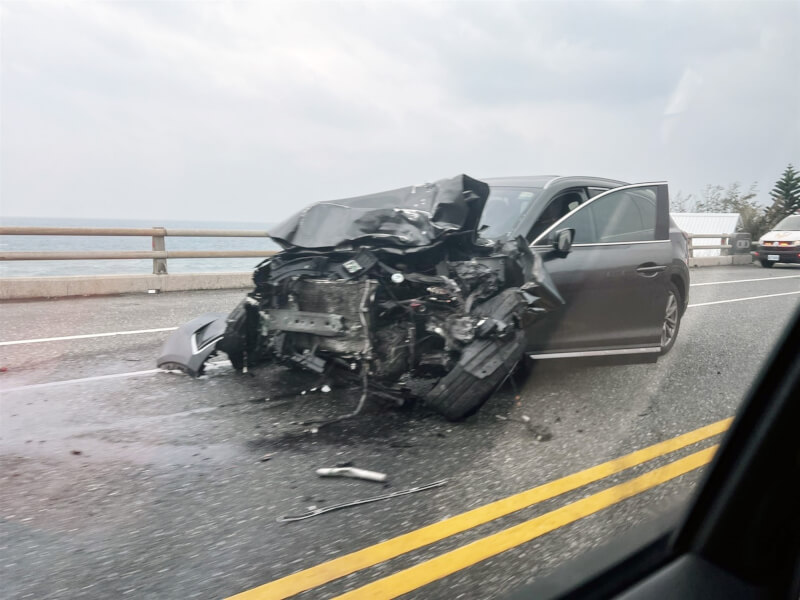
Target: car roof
[547,181]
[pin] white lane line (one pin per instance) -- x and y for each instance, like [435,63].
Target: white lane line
[223,363]
[742,299]
[209,367]
[745,280]
[82,380]
[86,336]
[161,329]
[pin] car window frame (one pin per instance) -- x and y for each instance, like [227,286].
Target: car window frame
[594,191]
[542,236]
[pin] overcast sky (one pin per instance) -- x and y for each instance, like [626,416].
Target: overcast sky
[250,110]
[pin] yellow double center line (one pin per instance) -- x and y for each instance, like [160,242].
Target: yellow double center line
[450,562]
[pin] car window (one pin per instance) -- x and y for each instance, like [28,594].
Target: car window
[791,223]
[620,216]
[594,191]
[559,206]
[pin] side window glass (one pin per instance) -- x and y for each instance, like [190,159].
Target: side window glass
[595,191]
[625,216]
[645,199]
[619,216]
[559,206]
[581,221]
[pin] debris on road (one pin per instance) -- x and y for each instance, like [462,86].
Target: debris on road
[266,457]
[325,509]
[523,419]
[540,432]
[351,472]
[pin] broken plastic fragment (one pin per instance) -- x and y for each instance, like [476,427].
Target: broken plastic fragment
[351,472]
[325,388]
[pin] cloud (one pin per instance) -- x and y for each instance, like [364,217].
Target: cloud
[252,109]
[687,89]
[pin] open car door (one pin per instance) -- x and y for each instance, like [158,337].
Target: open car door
[614,279]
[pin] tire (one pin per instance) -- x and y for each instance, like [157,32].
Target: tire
[234,342]
[484,365]
[766,264]
[672,319]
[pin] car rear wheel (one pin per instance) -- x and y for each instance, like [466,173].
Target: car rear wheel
[766,264]
[672,319]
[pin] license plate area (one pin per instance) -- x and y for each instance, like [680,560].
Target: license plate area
[773,257]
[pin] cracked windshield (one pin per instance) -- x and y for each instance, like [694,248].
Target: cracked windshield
[378,299]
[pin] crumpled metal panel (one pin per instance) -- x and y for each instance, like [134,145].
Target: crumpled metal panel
[407,217]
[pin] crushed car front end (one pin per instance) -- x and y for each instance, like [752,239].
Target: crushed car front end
[397,291]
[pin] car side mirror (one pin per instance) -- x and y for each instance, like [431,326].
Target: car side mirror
[562,240]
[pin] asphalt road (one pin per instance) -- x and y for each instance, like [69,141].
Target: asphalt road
[152,485]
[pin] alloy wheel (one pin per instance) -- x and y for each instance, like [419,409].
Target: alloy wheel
[670,321]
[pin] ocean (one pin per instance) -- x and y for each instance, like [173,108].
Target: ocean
[43,268]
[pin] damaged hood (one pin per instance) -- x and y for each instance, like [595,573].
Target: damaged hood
[406,217]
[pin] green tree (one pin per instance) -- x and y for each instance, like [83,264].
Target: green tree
[785,196]
[681,203]
[717,198]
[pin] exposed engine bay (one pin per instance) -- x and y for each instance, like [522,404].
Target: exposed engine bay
[396,291]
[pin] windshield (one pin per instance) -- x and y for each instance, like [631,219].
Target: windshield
[791,223]
[505,207]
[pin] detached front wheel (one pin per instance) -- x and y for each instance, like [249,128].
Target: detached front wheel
[483,366]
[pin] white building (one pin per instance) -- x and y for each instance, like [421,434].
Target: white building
[708,223]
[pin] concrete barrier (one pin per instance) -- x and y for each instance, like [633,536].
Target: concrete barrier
[718,261]
[19,288]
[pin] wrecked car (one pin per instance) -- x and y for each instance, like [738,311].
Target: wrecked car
[439,290]
[396,291]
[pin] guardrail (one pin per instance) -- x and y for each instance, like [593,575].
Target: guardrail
[732,243]
[715,236]
[159,253]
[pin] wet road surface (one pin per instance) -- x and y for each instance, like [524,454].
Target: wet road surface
[118,480]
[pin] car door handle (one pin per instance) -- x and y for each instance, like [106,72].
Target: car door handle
[650,270]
